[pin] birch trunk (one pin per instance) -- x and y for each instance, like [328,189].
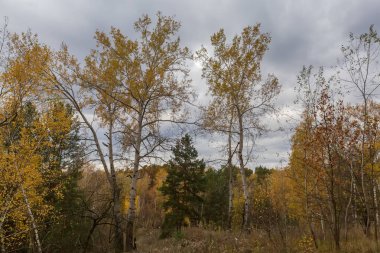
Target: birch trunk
[117,216]
[130,238]
[376,211]
[362,165]
[231,178]
[242,172]
[110,172]
[32,220]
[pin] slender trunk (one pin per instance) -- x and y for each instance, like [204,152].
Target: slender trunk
[117,216]
[231,178]
[355,203]
[323,227]
[374,191]
[286,211]
[337,237]
[334,210]
[130,238]
[348,204]
[201,217]
[336,225]
[29,212]
[362,174]
[333,204]
[306,192]
[86,244]
[2,242]
[310,224]
[335,219]
[376,211]
[230,197]
[242,172]
[110,173]
[32,220]
[377,188]
[282,235]
[92,130]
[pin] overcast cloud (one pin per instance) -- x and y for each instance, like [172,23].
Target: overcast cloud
[303,33]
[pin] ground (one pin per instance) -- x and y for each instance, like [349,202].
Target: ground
[197,240]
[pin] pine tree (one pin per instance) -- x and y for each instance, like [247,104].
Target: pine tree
[183,187]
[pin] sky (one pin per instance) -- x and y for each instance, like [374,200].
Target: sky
[304,32]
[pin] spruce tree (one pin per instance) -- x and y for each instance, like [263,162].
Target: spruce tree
[183,187]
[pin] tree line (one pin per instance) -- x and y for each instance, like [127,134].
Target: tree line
[82,142]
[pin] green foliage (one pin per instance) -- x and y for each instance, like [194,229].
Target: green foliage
[262,174]
[63,158]
[263,212]
[53,136]
[19,168]
[172,224]
[330,186]
[216,197]
[183,186]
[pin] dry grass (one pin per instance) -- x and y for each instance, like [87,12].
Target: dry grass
[356,243]
[196,240]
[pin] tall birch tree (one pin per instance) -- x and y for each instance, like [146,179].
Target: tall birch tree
[233,74]
[151,83]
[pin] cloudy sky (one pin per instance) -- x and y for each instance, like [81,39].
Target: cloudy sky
[303,32]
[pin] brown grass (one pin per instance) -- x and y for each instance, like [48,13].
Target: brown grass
[197,240]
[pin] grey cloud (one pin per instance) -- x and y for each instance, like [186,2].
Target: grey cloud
[303,33]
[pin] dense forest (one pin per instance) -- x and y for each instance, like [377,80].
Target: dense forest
[98,154]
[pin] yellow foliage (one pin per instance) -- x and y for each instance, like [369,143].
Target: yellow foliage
[186,221]
[20,168]
[238,208]
[306,245]
[23,172]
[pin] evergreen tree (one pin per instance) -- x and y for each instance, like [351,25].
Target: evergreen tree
[63,158]
[183,187]
[215,210]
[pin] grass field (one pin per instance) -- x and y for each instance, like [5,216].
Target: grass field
[197,240]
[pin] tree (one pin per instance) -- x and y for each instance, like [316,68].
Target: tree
[35,69]
[360,64]
[149,78]
[183,186]
[42,159]
[264,213]
[7,89]
[280,198]
[62,160]
[146,80]
[319,162]
[234,78]
[216,211]
[97,203]
[22,141]
[214,121]
[59,75]
[303,153]
[150,198]
[21,181]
